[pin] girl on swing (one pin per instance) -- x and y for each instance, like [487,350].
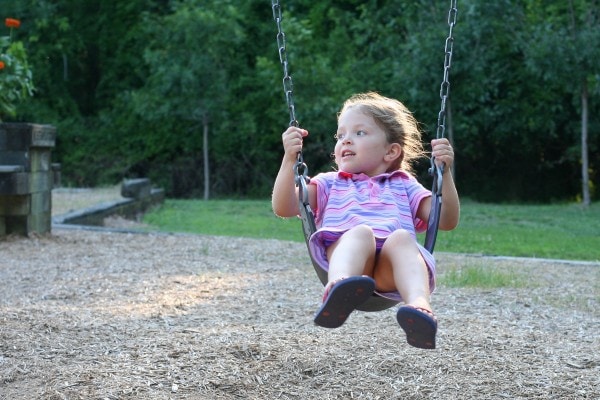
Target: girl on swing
[367,213]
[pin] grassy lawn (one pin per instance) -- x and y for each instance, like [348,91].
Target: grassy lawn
[563,231]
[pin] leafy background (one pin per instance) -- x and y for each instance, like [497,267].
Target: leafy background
[131,87]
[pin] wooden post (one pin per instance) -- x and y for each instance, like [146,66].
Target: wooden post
[26,178]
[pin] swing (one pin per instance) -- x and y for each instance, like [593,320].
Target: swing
[375,302]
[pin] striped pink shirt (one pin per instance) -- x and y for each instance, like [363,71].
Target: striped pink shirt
[385,202]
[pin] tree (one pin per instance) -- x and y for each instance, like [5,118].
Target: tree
[561,47]
[136,87]
[188,76]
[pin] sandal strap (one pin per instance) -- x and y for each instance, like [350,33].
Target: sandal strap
[424,310]
[329,286]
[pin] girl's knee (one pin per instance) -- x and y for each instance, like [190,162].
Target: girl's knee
[362,231]
[401,237]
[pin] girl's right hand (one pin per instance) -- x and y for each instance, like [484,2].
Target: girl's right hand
[292,141]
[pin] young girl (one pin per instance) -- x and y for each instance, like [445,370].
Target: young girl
[368,212]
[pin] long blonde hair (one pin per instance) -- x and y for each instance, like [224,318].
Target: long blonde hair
[398,123]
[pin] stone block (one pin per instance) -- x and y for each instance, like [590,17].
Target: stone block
[16,224]
[15,205]
[26,224]
[39,222]
[25,182]
[41,201]
[14,183]
[22,136]
[6,169]
[34,203]
[39,160]
[136,188]
[40,181]
[27,177]
[34,159]
[12,157]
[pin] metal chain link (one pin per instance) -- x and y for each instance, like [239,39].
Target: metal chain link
[437,172]
[300,168]
[288,84]
[445,86]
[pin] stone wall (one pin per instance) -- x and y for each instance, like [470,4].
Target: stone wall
[27,177]
[139,196]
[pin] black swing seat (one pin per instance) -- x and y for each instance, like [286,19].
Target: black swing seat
[375,302]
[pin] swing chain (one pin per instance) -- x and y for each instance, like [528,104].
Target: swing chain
[437,172]
[288,84]
[445,86]
[300,168]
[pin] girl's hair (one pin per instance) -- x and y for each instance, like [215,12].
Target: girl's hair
[398,123]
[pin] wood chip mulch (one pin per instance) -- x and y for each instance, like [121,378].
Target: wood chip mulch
[105,315]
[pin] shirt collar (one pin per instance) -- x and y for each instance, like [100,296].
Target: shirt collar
[386,175]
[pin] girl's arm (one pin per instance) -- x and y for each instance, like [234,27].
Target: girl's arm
[450,203]
[285,194]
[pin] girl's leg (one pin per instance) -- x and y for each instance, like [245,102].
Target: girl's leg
[353,254]
[401,267]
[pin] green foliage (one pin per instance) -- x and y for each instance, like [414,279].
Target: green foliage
[509,127]
[16,81]
[557,49]
[561,231]
[188,61]
[128,85]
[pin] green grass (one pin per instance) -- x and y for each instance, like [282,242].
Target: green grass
[482,277]
[243,218]
[563,231]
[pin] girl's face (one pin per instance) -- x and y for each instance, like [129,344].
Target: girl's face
[362,146]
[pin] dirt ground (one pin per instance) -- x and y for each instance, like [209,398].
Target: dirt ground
[89,314]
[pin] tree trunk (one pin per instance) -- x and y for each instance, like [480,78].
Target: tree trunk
[205,155]
[585,178]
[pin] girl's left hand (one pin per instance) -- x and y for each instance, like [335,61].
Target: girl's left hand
[442,151]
